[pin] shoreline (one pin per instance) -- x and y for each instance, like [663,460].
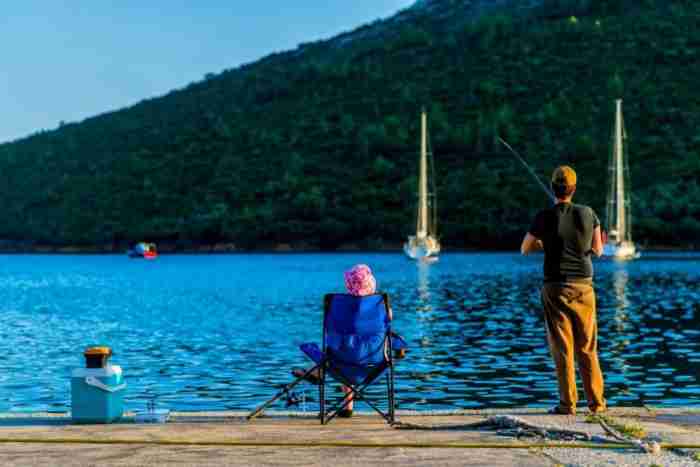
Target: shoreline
[284,248]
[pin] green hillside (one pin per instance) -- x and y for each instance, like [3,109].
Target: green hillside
[317,147]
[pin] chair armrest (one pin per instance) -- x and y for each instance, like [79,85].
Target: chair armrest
[398,342]
[398,345]
[312,350]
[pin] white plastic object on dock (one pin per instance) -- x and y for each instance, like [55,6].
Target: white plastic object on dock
[152,416]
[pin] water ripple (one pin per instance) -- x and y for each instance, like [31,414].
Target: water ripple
[222,332]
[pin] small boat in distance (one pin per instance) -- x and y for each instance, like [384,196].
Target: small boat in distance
[143,250]
[424,245]
[619,243]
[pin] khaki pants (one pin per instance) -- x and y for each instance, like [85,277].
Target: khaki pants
[572,332]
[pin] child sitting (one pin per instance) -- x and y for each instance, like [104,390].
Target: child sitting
[359,282]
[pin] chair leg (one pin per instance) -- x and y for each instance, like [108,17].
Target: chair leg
[357,392]
[388,396]
[322,395]
[358,396]
[392,395]
[285,390]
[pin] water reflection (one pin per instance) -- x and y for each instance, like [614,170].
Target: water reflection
[424,296]
[620,277]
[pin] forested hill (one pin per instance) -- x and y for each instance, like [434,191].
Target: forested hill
[317,147]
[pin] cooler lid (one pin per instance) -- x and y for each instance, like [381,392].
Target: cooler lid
[98,351]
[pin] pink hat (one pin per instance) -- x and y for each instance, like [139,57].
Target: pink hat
[360,281]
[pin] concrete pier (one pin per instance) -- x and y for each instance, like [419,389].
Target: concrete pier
[288,439]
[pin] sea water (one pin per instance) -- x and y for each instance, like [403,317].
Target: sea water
[221,332]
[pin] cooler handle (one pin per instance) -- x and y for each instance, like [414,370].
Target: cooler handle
[92,381]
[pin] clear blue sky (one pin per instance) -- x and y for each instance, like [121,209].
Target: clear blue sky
[68,60]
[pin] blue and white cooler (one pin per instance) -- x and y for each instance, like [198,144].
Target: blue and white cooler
[97,391]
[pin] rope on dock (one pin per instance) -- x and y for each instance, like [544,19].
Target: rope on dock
[508,425]
[650,447]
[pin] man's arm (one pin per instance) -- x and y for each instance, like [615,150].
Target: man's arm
[597,243]
[530,244]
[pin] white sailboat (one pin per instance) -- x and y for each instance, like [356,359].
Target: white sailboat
[424,245]
[619,244]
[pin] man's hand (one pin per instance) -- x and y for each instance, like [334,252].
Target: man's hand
[530,244]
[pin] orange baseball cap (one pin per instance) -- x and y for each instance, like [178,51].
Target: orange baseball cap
[564,175]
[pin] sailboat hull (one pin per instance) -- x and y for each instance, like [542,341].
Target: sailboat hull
[621,251]
[426,248]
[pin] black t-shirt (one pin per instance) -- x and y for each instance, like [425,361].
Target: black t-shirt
[566,230]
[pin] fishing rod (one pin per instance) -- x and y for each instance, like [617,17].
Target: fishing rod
[529,169]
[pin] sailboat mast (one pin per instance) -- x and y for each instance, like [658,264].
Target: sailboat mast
[422,229]
[619,175]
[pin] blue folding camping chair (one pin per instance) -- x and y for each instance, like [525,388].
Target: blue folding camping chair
[357,349]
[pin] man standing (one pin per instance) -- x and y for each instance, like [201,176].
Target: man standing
[569,233]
